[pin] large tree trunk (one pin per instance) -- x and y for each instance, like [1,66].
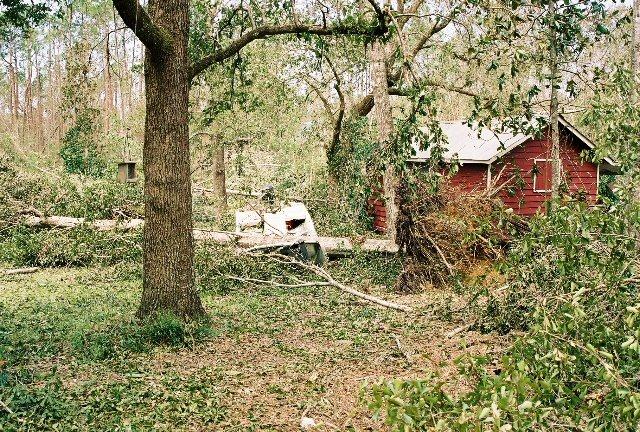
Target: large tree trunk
[384,120]
[168,235]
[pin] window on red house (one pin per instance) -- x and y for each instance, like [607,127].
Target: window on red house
[542,175]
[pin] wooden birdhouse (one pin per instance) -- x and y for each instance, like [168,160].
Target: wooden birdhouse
[127,172]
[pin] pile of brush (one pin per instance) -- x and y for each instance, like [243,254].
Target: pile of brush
[445,233]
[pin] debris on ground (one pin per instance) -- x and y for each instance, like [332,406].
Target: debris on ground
[448,232]
[292,224]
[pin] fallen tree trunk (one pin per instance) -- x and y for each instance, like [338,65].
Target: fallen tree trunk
[19,271]
[70,222]
[333,246]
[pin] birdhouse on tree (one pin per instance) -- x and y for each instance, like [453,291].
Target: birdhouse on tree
[127,168]
[127,172]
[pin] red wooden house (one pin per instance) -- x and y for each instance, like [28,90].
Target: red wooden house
[519,163]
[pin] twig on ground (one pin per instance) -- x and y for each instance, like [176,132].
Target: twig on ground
[6,408]
[406,356]
[460,329]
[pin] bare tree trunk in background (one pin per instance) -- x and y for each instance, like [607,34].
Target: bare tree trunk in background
[635,68]
[220,178]
[556,164]
[12,79]
[108,87]
[218,168]
[636,48]
[121,82]
[27,114]
[15,89]
[58,126]
[39,117]
[384,119]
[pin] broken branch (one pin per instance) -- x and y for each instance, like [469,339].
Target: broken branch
[329,280]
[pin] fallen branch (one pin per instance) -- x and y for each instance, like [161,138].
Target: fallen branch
[330,281]
[71,222]
[406,355]
[6,408]
[460,329]
[444,259]
[18,271]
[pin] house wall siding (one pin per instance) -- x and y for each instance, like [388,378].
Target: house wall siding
[581,176]
[515,171]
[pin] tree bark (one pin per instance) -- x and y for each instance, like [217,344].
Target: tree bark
[108,86]
[635,66]
[384,120]
[13,101]
[168,231]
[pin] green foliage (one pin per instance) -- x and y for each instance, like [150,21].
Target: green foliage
[81,246]
[21,16]
[165,329]
[573,286]
[571,249]
[614,121]
[79,151]
[63,194]
[42,402]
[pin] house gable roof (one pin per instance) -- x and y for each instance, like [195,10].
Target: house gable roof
[484,146]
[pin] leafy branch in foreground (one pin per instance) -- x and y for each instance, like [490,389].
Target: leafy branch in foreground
[573,285]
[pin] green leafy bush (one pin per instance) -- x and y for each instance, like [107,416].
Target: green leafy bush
[573,286]
[63,194]
[79,151]
[166,329]
[81,246]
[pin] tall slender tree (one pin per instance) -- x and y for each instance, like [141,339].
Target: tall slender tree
[554,114]
[636,48]
[384,120]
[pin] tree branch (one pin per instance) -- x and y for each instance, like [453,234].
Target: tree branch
[155,38]
[262,32]
[337,128]
[323,99]
[366,104]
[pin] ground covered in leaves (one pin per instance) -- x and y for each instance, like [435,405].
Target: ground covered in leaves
[73,358]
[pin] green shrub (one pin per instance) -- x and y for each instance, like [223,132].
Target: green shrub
[81,246]
[573,286]
[79,151]
[165,329]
